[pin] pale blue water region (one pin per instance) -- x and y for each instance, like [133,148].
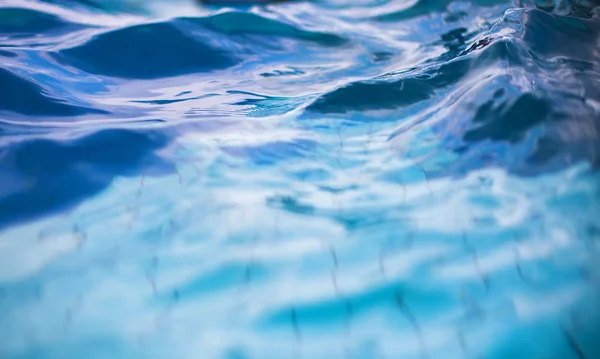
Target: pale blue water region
[326,179]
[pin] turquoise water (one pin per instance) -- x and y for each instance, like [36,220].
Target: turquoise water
[329,179]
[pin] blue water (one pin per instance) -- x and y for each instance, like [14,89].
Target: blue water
[326,179]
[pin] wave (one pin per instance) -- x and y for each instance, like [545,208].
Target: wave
[26,97]
[160,50]
[238,22]
[525,98]
[181,46]
[18,23]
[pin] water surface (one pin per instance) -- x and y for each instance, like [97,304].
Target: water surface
[326,179]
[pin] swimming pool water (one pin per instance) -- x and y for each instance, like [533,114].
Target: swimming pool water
[326,179]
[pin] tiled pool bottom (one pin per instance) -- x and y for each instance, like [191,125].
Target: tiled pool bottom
[210,263]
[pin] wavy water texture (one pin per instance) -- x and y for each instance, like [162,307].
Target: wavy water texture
[320,179]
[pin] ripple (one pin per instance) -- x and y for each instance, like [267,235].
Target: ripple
[20,22]
[181,46]
[237,22]
[508,121]
[272,153]
[24,96]
[161,50]
[423,7]
[527,118]
[382,93]
[553,35]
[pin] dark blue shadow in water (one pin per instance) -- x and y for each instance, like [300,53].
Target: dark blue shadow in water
[23,96]
[555,125]
[44,176]
[20,23]
[547,128]
[147,51]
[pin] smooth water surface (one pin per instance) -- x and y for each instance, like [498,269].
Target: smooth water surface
[316,179]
